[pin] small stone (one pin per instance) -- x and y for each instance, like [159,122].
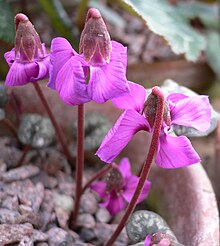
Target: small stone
[32,218]
[87,234]
[59,237]
[67,188]
[48,181]
[103,215]
[85,220]
[64,202]
[2,114]
[42,244]
[8,216]
[62,217]
[10,203]
[103,231]
[23,209]
[39,191]
[14,233]
[36,130]
[39,236]
[20,173]
[143,223]
[89,203]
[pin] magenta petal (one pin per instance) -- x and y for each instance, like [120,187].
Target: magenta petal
[192,111]
[175,152]
[116,204]
[147,240]
[43,69]
[71,84]
[99,187]
[133,101]
[131,185]
[10,57]
[108,81]
[125,167]
[61,52]
[21,73]
[129,123]
[120,49]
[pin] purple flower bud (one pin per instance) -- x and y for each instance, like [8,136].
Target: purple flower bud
[95,42]
[27,41]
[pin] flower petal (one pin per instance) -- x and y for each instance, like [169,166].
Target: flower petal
[10,57]
[122,50]
[125,167]
[129,123]
[130,187]
[108,81]
[71,84]
[61,52]
[192,111]
[147,240]
[43,69]
[21,73]
[99,187]
[175,152]
[116,204]
[133,101]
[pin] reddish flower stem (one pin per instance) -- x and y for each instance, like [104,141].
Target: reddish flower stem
[79,165]
[11,127]
[23,155]
[54,122]
[146,168]
[101,173]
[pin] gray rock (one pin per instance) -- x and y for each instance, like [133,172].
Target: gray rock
[85,220]
[143,223]
[59,237]
[96,127]
[103,215]
[63,201]
[87,234]
[88,203]
[36,130]
[170,86]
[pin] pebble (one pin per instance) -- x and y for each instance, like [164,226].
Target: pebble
[143,223]
[10,202]
[14,233]
[62,217]
[59,237]
[87,234]
[8,216]
[63,201]
[85,220]
[102,215]
[20,173]
[88,203]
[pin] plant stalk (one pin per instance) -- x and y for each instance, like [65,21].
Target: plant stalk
[145,170]
[79,165]
[54,122]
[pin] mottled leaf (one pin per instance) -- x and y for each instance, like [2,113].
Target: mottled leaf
[164,19]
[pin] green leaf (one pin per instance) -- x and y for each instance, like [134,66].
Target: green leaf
[6,22]
[207,13]
[212,51]
[163,19]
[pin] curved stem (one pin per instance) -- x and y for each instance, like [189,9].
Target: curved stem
[54,122]
[145,170]
[101,173]
[79,165]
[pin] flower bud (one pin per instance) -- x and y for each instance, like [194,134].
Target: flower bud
[151,104]
[27,41]
[114,180]
[95,42]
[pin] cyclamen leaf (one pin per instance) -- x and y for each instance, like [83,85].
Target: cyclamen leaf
[163,19]
[6,22]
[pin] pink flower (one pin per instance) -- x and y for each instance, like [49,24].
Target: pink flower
[118,188]
[172,152]
[28,61]
[102,60]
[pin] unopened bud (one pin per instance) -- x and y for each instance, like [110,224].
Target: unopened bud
[95,42]
[27,41]
[114,180]
[151,104]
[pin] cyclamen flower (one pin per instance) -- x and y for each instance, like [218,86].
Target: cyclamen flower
[172,152]
[102,60]
[118,188]
[28,61]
